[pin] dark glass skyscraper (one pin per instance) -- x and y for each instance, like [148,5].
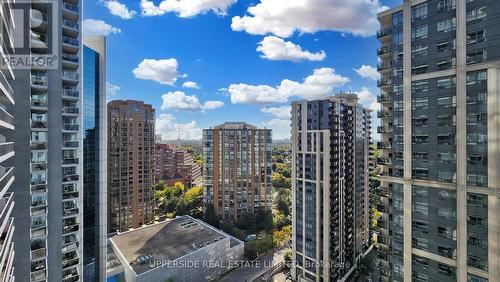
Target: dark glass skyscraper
[94,160]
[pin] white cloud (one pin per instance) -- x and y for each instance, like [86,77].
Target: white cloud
[186,8]
[169,129]
[162,71]
[118,9]
[368,99]
[191,84]
[368,72]
[112,89]
[276,49]
[283,18]
[178,100]
[254,94]
[280,127]
[320,84]
[279,112]
[93,27]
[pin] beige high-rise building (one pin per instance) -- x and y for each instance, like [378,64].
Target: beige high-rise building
[131,137]
[237,170]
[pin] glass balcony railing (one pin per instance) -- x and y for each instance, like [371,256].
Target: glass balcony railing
[71,7]
[71,92]
[39,100]
[39,80]
[70,41]
[70,24]
[73,127]
[70,144]
[70,58]
[72,75]
[71,110]
[70,161]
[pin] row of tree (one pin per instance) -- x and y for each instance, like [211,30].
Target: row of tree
[171,201]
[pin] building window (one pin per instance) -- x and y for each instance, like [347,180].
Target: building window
[447,25]
[476,15]
[445,5]
[419,32]
[477,57]
[419,11]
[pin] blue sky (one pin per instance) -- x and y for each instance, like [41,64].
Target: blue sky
[308,49]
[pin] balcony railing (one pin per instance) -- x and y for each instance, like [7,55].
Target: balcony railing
[70,75]
[70,24]
[70,161]
[384,98]
[384,50]
[384,32]
[71,110]
[39,80]
[384,145]
[71,92]
[70,41]
[39,100]
[384,129]
[73,127]
[384,114]
[5,176]
[40,253]
[384,66]
[384,82]
[71,7]
[38,275]
[70,144]
[6,148]
[70,58]
[73,177]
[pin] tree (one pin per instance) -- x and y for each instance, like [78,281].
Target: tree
[210,217]
[247,222]
[283,236]
[283,169]
[279,181]
[265,220]
[160,185]
[283,201]
[193,194]
[171,204]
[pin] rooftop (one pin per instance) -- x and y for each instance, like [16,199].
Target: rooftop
[166,241]
[235,125]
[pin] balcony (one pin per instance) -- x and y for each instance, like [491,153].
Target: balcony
[37,254]
[70,76]
[384,145]
[384,114]
[384,50]
[70,177]
[70,28]
[6,178]
[39,101]
[70,144]
[38,20]
[70,61]
[71,111]
[38,42]
[384,161]
[71,127]
[71,211]
[71,11]
[6,150]
[384,129]
[70,45]
[384,98]
[384,82]
[70,262]
[384,32]
[70,161]
[39,81]
[71,228]
[384,66]
[38,145]
[71,93]
[38,275]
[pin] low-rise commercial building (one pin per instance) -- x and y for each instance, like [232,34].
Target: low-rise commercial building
[182,249]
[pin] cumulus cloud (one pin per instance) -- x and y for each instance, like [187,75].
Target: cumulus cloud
[112,89]
[185,8]
[279,112]
[93,27]
[169,128]
[281,128]
[118,9]
[283,18]
[191,84]
[162,71]
[277,49]
[320,84]
[368,72]
[178,100]
[368,99]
